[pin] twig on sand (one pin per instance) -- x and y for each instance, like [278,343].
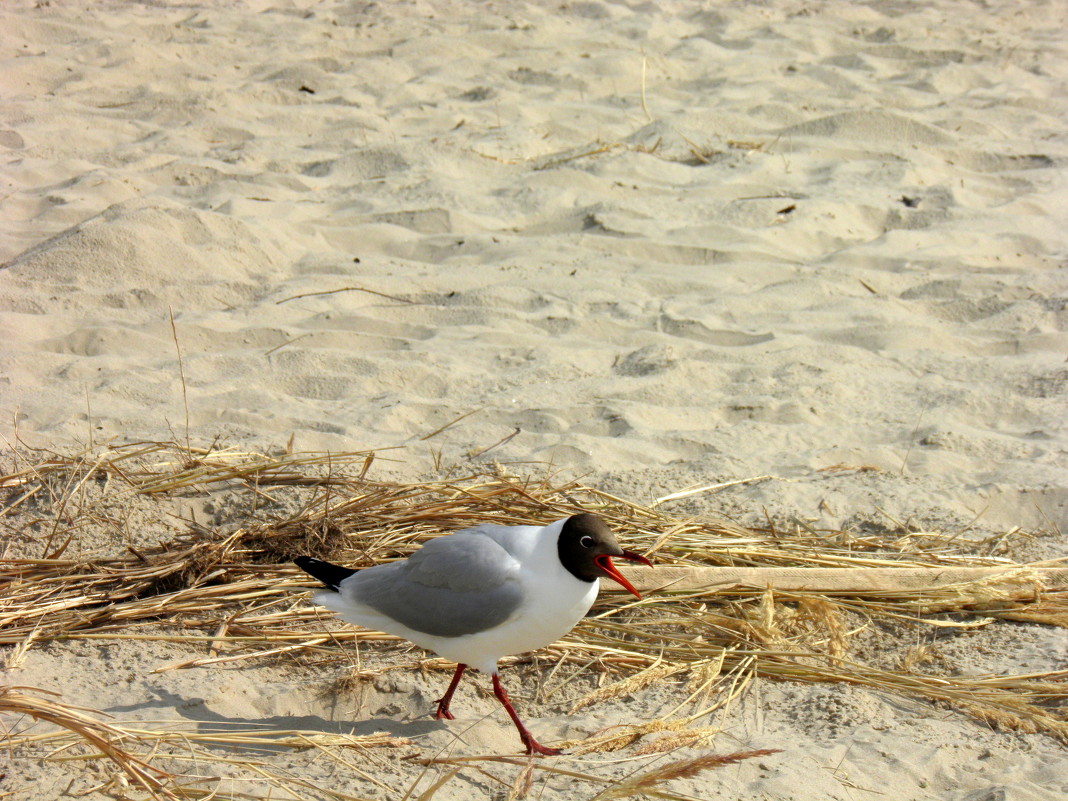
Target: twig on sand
[449,424]
[503,440]
[343,289]
[181,374]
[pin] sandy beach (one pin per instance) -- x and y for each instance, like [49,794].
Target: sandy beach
[813,252]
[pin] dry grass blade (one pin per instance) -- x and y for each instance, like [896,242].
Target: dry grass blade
[524,780]
[648,782]
[626,686]
[432,790]
[179,733]
[687,738]
[616,737]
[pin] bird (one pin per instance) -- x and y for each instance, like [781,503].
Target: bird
[482,593]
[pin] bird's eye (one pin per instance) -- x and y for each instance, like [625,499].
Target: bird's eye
[586,542]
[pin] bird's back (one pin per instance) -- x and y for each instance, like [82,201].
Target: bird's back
[454,585]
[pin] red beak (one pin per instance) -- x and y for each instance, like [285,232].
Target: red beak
[605,563]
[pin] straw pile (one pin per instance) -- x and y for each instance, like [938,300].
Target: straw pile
[233,596]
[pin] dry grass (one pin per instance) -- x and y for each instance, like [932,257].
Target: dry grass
[234,596]
[132,748]
[84,726]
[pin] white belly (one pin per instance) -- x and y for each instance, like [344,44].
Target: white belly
[536,626]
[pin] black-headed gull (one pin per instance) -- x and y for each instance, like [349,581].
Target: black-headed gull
[482,593]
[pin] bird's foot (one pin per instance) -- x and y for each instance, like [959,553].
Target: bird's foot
[443,703]
[443,710]
[534,747]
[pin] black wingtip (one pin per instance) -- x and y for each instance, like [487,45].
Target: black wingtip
[330,575]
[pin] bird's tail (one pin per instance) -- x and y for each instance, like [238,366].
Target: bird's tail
[328,574]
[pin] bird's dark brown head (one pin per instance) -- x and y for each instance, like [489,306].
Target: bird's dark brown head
[586,547]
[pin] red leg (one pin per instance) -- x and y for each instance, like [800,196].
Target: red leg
[533,746]
[445,700]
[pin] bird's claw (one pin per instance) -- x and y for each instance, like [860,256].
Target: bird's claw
[443,711]
[536,748]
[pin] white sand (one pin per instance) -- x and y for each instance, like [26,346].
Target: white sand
[834,235]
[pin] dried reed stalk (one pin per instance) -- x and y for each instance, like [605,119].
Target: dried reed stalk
[852,581]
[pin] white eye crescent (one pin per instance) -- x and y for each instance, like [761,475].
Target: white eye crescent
[586,542]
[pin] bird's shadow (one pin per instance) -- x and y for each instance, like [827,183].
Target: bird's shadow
[196,711]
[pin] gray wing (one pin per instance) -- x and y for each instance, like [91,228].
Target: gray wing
[454,585]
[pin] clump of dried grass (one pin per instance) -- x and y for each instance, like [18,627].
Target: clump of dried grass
[234,596]
[36,704]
